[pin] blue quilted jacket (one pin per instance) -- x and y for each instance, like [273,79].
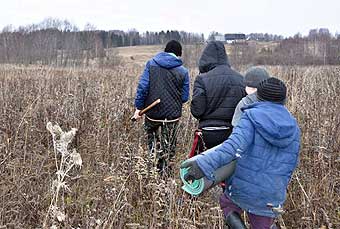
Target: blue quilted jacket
[266,145]
[168,63]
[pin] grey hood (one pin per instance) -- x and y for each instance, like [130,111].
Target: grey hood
[213,55]
[250,99]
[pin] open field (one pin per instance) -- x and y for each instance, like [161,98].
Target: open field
[114,188]
[140,54]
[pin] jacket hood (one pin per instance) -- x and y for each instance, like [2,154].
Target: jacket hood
[250,99]
[167,60]
[273,122]
[213,55]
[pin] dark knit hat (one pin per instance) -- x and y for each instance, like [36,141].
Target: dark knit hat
[273,90]
[254,76]
[174,47]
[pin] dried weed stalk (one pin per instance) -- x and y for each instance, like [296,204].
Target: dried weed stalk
[64,162]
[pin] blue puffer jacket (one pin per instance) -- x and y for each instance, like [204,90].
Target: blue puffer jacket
[266,145]
[166,61]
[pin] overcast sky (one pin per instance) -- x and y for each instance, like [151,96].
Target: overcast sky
[286,17]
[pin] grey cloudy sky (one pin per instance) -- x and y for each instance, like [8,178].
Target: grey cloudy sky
[286,17]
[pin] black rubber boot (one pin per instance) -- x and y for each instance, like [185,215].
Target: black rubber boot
[274,226]
[234,221]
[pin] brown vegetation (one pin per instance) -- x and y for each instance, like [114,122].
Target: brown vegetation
[114,188]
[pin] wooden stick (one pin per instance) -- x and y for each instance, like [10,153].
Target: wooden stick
[147,108]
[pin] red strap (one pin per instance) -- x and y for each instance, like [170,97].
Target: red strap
[195,143]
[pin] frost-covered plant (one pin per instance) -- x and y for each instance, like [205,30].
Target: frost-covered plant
[65,160]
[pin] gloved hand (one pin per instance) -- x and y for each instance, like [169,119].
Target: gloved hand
[194,172]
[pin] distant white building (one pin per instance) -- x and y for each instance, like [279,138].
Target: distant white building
[220,38]
[230,37]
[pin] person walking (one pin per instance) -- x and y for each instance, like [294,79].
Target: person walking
[252,78]
[217,90]
[164,78]
[265,144]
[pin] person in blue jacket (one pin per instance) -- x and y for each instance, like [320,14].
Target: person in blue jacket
[265,144]
[164,78]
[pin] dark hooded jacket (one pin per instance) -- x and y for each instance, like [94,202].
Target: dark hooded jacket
[218,88]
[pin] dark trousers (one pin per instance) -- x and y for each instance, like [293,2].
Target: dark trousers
[256,221]
[162,139]
[213,138]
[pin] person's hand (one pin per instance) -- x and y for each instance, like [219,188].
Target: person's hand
[136,115]
[194,172]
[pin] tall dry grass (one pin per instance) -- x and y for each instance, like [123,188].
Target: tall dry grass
[115,188]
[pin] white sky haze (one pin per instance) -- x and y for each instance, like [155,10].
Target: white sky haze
[278,17]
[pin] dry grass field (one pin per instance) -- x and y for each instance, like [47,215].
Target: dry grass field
[114,187]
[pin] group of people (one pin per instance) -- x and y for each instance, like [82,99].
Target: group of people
[241,118]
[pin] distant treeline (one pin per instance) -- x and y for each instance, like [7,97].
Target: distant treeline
[264,37]
[60,43]
[319,47]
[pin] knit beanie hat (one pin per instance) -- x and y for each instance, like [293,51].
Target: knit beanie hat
[174,47]
[273,90]
[254,76]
